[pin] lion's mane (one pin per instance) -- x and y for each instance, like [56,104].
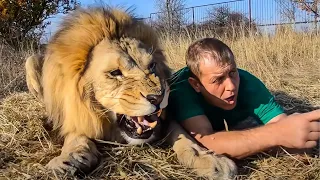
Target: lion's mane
[66,58]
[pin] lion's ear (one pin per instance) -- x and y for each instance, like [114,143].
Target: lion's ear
[33,67]
[117,21]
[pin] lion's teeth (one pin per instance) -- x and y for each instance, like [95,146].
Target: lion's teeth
[159,112]
[139,130]
[153,124]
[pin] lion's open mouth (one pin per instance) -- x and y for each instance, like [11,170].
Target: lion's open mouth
[139,126]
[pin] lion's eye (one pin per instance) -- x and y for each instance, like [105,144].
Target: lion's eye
[150,50]
[152,67]
[116,73]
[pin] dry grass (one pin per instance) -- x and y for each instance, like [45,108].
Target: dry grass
[26,146]
[288,63]
[12,68]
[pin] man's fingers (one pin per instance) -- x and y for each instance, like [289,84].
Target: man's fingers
[312,115]
[313,136]
[315,126]
[310,144]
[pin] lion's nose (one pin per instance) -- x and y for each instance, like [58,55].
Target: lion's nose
[154,99]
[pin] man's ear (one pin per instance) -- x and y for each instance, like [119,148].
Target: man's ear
[194,83]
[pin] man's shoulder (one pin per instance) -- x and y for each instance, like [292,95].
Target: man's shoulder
[254,94]
[248,81]
[246,75]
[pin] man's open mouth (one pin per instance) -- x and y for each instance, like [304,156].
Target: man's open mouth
[139,126]
[231,99]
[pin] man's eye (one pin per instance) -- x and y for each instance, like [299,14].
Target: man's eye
[218,80]
[116,73]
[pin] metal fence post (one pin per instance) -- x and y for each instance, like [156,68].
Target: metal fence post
[150,20]
[250,21]
[193,17]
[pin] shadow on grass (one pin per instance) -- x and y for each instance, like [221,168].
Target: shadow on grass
[291,105]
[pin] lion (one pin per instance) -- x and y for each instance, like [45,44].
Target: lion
[104,76]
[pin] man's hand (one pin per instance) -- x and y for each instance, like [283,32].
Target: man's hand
[299,130]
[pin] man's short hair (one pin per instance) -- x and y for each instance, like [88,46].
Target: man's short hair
[209,47]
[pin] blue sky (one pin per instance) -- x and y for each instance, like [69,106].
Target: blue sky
[143,8]
[263,11]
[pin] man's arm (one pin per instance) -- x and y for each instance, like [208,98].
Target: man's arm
[237,144]
[294,131]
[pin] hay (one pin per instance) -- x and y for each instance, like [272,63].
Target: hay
[26,147]
[24,142]
[289,63]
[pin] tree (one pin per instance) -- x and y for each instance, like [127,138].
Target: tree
[170,15]
[288,10]
[223,20]
[311,7]
[223,16]
[22,20]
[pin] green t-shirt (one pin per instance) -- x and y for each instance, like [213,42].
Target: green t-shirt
[254,100]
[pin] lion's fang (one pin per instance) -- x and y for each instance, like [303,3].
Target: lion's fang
[140,119]
[139,130]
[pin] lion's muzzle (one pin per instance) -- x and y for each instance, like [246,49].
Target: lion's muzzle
[140,127]
[144,126]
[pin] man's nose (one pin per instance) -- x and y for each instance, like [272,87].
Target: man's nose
[154,99]
[230,84]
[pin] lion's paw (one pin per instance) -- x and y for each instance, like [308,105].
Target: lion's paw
[214,166]
[207,164]
[77,163]
[61,164]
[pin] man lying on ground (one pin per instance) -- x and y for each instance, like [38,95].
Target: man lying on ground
[211,92]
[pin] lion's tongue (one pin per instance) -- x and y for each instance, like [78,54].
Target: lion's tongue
[140,120]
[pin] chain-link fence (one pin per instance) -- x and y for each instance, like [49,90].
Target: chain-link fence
[257,14]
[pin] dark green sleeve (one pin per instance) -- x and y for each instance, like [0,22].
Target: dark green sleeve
[184,103]
[268,111]
[262,101]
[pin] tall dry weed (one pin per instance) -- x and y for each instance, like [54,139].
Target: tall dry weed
[12,74]
[287,62]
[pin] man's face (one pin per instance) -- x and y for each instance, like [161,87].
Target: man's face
[219,83]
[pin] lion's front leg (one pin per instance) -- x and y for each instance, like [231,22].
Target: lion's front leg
[204,162]
[78,155]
